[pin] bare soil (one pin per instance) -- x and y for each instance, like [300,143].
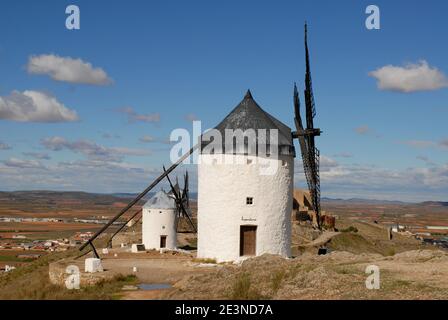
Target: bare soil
[419,274]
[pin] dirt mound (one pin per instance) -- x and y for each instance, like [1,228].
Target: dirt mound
[422,256]
[416,274]
[264,261]
[357,244]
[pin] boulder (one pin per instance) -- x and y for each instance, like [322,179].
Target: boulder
[93,265]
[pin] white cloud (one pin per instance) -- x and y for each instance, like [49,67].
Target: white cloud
[423,158]
[419,143]
[107,135]
[19,163]
[338,180]
[92,150]
[134,116]
[422,144]
[343,155]
[4,146]
[191,117]
[373,182]
[67,69]
[326,163]
[147,139]
[88,175]
[129,151]
[426,160]
[409,78]
[160,140]
[443,143]
[362,130]
[34,106]
[37,155]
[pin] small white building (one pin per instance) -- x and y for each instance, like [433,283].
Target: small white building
[160,222]
[243,209]
[9,268]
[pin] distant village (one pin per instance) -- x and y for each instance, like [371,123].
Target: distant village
[429,234]
[43,246]
[46,245]
[103,220]
[17,242]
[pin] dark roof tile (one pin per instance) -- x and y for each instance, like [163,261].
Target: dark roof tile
[249,115]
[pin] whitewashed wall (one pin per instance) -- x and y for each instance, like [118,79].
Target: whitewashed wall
[222,209]
[158,222]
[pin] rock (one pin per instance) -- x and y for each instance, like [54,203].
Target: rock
[137,248]
[58,273]
[129,288]
[93,265]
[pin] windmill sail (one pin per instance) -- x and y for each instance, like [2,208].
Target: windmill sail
[301,137]
[176,194]
[306,137]
[313,152]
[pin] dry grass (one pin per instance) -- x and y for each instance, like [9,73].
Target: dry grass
[207,260]
[35,285]
[31,282]
[277,279]
[407,272]
[334,276]
[242,289]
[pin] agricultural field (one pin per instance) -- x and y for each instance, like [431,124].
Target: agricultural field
[417,216]
[47,204]
[31,218]
[360,238]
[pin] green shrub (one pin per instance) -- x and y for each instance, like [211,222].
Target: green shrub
[350,229]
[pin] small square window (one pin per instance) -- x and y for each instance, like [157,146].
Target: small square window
[284,163]
[249,200]
[249,161]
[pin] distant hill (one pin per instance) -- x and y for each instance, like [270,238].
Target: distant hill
[364,201]
[193,195]
[435,203]
[58,195]
[40,195]
[47,195]
[124,195]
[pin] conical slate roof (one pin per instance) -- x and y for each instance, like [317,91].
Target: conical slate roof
[249,115]
[160,200]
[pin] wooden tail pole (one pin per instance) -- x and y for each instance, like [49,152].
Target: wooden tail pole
[139,197]
[94,250]
[123,225]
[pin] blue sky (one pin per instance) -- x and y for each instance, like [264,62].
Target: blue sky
[167,62]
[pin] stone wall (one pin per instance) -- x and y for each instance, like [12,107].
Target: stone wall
[58,275]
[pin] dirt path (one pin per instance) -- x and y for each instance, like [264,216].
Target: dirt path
[155,270]
[144,295]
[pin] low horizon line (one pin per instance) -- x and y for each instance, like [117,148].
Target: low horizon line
[136,193]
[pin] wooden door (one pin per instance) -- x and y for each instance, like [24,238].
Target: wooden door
[162,241]
[248,238]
